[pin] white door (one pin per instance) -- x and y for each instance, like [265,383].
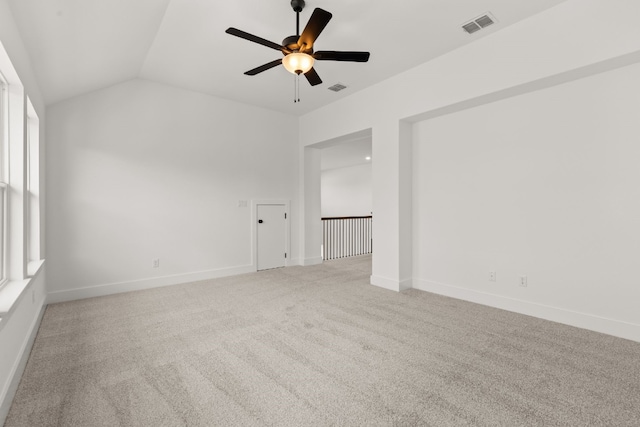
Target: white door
[271,236]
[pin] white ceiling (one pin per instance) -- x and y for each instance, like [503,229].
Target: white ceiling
[345,154]
[77,46]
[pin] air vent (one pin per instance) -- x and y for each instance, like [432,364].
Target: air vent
[471,27]
[484,21]
[337,87]
[479,23]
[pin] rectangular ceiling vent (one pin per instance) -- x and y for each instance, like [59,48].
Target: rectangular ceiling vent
[479,23]
[337,87]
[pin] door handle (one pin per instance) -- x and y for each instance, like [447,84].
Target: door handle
[260,221]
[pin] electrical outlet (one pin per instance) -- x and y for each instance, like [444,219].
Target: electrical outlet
[492,276]
[156,263]
[523,281]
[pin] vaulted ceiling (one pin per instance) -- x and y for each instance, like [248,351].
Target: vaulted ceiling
[78,46]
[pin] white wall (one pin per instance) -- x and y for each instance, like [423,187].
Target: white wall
[18,327]
[543,185]
[346,191]
[534,54]
[140,171]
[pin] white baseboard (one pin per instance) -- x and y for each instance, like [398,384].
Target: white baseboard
[390,284]
[6,395]
[137,285]
[630,331]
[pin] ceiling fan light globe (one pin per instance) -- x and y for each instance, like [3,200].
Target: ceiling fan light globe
[298,62]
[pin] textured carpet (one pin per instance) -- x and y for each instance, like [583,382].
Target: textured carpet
[320,346]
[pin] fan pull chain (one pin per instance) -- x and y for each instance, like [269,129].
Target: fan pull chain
[296,89]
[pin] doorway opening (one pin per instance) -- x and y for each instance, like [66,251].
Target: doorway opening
[346,198]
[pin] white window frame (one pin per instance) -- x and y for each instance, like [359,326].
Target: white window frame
[3,178]
[32,159]
[3,233]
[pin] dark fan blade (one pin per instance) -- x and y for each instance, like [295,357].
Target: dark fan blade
[244,35]
[264,67]
[313,77]
[332,55]
[319,19]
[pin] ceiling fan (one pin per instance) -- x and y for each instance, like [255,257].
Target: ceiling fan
[298,51]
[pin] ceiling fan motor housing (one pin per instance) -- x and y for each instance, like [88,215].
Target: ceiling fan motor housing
[291,42]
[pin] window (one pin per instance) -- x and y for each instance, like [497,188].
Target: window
[20,249]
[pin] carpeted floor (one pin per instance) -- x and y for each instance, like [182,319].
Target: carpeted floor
[317,346]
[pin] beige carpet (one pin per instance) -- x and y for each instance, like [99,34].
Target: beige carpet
[317,346]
